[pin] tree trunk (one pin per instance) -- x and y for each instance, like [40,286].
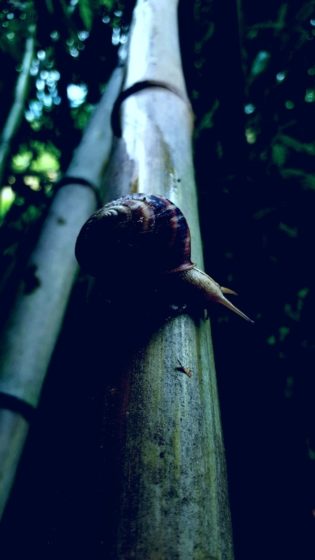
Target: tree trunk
[174,492]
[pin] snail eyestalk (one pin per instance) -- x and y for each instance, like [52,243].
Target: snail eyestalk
[209,290]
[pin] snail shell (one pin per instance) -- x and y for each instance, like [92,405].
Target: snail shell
[146,231]
[146,235]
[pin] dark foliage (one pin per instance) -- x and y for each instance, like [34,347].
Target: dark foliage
[256,208]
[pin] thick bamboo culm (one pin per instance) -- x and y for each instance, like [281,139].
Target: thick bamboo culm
[174,501]
[32,330]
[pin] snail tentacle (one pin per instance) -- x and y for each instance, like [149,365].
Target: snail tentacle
[210,290]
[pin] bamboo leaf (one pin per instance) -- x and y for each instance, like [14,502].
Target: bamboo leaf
[86,13]
[260,63]
[88,8]
[109,4]
[296,145]
[279,154]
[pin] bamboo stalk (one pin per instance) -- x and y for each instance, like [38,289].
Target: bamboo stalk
[20,95]
[34,324]
[173,500]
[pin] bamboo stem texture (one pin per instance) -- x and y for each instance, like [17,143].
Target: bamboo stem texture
[174,500]
[32,330]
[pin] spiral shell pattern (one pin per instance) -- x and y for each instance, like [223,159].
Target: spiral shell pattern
[139,230]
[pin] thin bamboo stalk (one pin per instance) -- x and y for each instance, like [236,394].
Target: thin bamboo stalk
[34,324]
[20,95]
[174,500]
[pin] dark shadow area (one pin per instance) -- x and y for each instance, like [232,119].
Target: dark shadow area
[66,494]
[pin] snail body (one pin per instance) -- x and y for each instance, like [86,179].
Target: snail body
[146,234]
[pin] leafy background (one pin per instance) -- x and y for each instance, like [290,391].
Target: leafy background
[250,71]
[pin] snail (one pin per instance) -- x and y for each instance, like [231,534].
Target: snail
[149,235]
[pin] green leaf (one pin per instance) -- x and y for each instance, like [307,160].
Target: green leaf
[306,180]
[207,119]
[271,340]
[7,197]
[86,13]
[297,145]
[279,154]
[309,181]
[303,293]
[311,454]
[260,63]
[290,231]
[283,333]
[21,161]
[45,162]
[88,9]
[109,4]
[293,314]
